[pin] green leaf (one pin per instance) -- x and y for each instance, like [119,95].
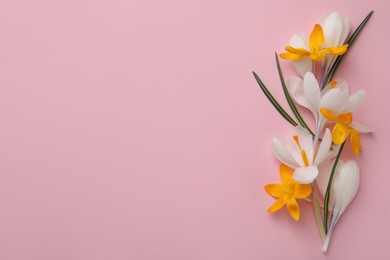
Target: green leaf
[273,101]
[289,99]
[350,42]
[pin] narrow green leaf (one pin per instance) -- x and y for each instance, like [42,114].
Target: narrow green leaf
[350,42]
[289,99]
[273,101]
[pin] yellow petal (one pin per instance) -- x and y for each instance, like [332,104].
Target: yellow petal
[335,50]
[302,191]
[278,204]
[285,174]
[316,38]
[275,190]
[293,209]
[355,142]
[328,114]
[345,119]
[291,56]
[297,50]
[340,133]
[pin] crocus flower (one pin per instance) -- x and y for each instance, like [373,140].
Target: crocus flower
[344,188]
[306,92]
[299,153]
[287,193]
[337,107]
[334,97]
[344,127]
[326,41]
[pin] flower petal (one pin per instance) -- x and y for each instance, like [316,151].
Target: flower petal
[312,91]
[323,177]
[336,29]
[316,37]
[305,175]
[347,186]
[328,115]
[304,64]
[324,150]
[275,190]
[342,85]
[333,29]
[355,142]
[360,128]
[302,190]
[299,41]
[285,174]
[291,56]
[340,133]
[278,204]
[280,151]
[335,100]
[355,100]
[306,142]
[293,209]
[295,88]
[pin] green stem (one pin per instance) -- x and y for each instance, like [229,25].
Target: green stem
[317,214]
[327,194]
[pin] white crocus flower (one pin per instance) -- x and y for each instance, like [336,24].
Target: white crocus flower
[334,97]
[337,99]
[345,185]
[325,43]
[299,153]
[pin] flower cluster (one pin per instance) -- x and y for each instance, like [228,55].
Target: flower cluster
[311,167]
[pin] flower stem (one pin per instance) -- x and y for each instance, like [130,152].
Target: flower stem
[327,194]
[317,214]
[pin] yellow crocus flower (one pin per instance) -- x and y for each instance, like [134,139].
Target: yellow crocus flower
[342,129]
[288,192]
[316,52]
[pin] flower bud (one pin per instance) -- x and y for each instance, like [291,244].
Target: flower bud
[344,188]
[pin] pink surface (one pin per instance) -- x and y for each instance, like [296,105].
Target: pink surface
[135,130]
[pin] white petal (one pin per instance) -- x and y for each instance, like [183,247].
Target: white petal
[305,175]
[336,29]
[324,150]
[361,128]
[346,29]
[306,142]
[295,152]
[335,100]
[347,186]
[342,84]
[333,29]
[339,165]
[305,64]
[295,88]
[280,151]
[299,41]
[312,92]
[322,179]
[355,100]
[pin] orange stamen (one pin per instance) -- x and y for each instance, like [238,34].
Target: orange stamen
[303,153]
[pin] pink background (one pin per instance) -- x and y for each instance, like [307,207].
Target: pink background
[135,130]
